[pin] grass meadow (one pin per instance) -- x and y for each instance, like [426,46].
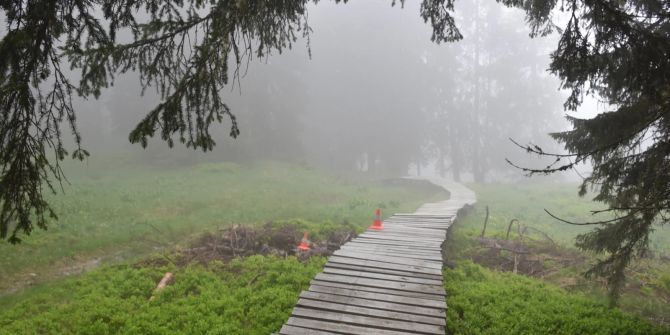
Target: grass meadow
[94,271]
[647,293]
[113,213]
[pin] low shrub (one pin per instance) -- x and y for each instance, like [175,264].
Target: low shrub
[254,295]
[482,301]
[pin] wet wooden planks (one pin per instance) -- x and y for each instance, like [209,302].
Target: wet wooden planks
[384,281]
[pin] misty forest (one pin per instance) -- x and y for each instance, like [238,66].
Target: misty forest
[334,167]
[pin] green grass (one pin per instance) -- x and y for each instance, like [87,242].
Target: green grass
[115,211]
[131,212]
[119,211]
[482,301]
[527,202]
[254,295]
[646,293]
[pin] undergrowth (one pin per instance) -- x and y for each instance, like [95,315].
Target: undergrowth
[557,264]
[253,295]
[115,212]
[482,301]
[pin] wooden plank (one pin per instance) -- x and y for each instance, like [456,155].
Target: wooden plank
[405,239]
[415,248]
[362,302]
[396,238]
[394,253]
[416,231]
[408,238]
[360,320]
[365,274]
[394,244]
[350,291]
[438,225]
[386,271]
[398,243]
[340,328]
[400,286]
[373,243]
[389,291]
[410,250]
[439,236]
[388,259]
[293,330]
[405,236]
[403,250]
[412,226]
[435,234]
[369,311]
[383,265]
[400,240]
[419,222]
[402,237]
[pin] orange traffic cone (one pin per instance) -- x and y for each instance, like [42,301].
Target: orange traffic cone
[377,223]
[304,243]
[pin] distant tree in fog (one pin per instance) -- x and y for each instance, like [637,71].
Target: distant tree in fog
[485,89]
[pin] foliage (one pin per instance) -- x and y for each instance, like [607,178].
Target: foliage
[181,49]
[254,295]
[561,264]
[619,51]
[487,302]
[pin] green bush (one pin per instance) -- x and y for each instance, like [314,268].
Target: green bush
[482,301]
[254,295]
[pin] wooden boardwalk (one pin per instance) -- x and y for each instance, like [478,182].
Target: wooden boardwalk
[384,281]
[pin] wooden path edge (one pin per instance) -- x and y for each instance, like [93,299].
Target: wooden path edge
[388,281]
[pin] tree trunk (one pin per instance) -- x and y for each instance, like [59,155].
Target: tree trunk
[440,163]
[456,169]
[476,105]
[478,172]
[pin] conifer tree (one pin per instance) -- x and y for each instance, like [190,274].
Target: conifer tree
[179,48]
[619,51]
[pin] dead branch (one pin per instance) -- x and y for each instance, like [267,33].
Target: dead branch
[510,227]
[486,220]
[510,246]
[546,236]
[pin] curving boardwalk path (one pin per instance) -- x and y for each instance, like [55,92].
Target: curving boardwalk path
[384,281]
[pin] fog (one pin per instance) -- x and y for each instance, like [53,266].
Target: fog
[370,92]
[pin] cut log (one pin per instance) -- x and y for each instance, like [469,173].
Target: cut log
[167,279]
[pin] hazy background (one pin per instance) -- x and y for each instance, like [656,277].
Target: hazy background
[377,95]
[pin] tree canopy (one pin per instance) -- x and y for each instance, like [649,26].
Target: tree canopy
[181,49]
[617,50]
